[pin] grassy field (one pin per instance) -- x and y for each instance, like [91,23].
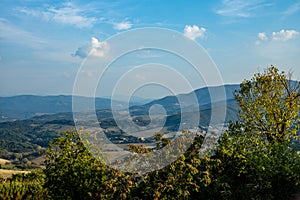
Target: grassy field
[6,173]
[3,161]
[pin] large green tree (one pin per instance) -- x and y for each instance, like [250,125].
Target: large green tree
[72,172]
[269,104]
[256,154]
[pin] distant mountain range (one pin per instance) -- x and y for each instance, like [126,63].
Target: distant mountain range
[172,105]
[30,122]
[27,106]
[45,110]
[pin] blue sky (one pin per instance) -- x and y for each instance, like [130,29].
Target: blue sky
[43,43]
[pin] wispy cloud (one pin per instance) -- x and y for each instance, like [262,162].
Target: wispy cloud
[193,32]
[292,9]
[146,53]
[16,35]
[68,14]
[282,35]
[125,25]
[71,14]
[95,48]
[241,8]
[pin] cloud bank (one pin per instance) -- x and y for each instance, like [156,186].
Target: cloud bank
[282,35]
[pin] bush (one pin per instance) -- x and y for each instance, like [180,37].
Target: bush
[23,186]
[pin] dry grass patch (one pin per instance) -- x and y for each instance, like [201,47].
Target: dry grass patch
[6,173]
[3,161]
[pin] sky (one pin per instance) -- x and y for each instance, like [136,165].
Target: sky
[44,44]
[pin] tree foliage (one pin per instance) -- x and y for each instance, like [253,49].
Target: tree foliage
[71,171]
[23,186]
[269,104]
[256,155]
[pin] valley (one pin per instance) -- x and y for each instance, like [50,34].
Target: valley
[22,141]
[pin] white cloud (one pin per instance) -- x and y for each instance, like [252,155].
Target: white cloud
[193,32]
[263,36]
[241,8]
[68,14]
[284,35]
[99,49]
[122,25]
[95,48]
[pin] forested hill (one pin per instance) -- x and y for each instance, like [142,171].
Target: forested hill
[27,106]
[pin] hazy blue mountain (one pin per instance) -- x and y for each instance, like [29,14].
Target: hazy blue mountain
[133,100]
[172,105]
[26,106]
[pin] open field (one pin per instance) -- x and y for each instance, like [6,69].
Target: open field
[3,161]
[6,173]
[39,160]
